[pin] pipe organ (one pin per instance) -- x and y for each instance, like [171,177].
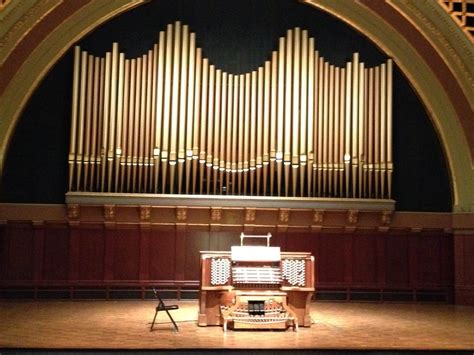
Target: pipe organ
[170,122]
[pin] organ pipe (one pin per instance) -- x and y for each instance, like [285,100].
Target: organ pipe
[169,121]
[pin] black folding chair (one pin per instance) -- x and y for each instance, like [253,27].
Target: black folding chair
[162,307]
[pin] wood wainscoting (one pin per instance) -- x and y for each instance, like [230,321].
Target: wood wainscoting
[59,251]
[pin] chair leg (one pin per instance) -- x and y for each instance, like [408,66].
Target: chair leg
[153,323]
[172,320]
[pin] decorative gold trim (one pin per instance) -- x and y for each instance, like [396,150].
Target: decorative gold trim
[145,213]
[250,214]
[216,214]
[284,215]
[19,19]
[181,213]
[352,216]
[435,24]
[109,212]
[73,211]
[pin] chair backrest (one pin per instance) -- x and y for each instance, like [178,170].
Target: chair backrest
[161,304]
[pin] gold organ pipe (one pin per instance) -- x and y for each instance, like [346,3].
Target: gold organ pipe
[95,108]
[330,126]
[197,116]
[320,125]
[280,113]
[295,105]
[126,100]
[190,110]
[266,124]
[288,109]
[273,117]
[120,103]
[366,133]
[342,112]
[100,126]
[136,126]
[240,141]
[152,134]
[246,131]
[167,106]
[225,117]
[183,104]
[88,118]
[105,121]
[74,114]
[149,120]
[310,113]
[370,119]
[347,130]
[304,110]
[202,145]
[360,148]
[377,131]
[315,123]
[142,123]
[260,119]
[389,127]
[326,138]
[235,137]
[355,123]
[217,119]
[113,115]
[336,154]
[210,127]
[82,113]
[159,107]
[230,132]
[253,124]
[131,118]
[175,103]
[383,128]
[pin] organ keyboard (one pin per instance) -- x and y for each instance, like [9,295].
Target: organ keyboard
[256,287]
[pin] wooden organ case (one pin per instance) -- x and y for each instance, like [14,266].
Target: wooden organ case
[256,287]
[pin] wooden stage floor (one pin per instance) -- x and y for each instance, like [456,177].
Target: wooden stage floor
[125,325]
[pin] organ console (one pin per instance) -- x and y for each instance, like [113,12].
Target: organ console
[256,287]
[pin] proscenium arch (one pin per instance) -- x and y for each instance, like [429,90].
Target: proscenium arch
[93,13]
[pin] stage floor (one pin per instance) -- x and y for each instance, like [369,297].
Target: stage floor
[126,325]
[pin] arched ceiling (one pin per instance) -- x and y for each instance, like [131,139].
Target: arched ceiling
[422,39]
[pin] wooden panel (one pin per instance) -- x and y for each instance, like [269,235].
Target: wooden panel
[301,242]
[56,254]
[224,240]
[429,264]
[468,265]
[195,242]
[364,259]
[126,254]
[19,242]
[162,254]
[84,251]
[91,254]
[331,258]
[446,260]
[397,260]
[3,251]
[280,240]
